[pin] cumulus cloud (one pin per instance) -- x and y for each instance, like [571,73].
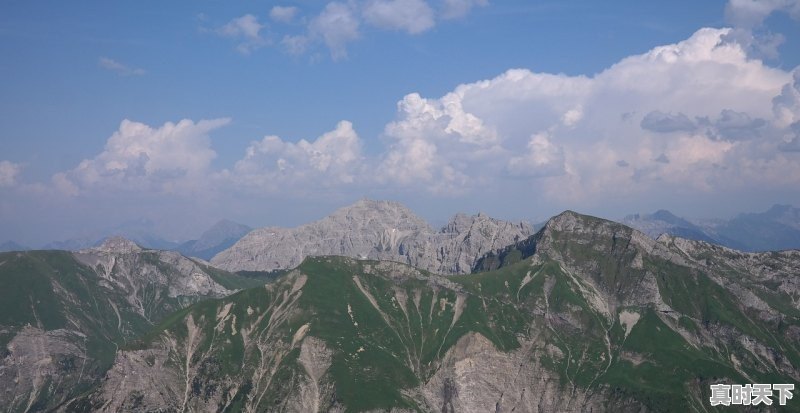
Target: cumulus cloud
[660,122]
[542,159]
[273,164]
[577,137]
[412,16]
[453,9]
[735,125]
[172,158]
[295,45]
[422,127]
[8,173]
[283,14]
[747,18]
[119,68]
[247,30]
[416,163]
[791,146]
[786,106]
[337,25]
[793,135]
[732,124]
[752,13]
[340,23]
[572,117]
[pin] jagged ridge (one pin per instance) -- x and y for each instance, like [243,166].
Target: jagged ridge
[378,230]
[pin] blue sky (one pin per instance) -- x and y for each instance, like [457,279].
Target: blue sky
[409,100]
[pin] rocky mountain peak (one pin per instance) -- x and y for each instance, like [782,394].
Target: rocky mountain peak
[368,212]
[461,223]
[569,221]
[382,230]
[118,244]
[587,227]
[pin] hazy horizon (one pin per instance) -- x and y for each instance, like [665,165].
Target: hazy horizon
[280,113]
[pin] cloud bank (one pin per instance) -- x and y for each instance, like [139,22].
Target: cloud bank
[247,31]
[340,23]
[699,115]
[173,158]
[703,117]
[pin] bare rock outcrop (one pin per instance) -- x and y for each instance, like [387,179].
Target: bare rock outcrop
[379,230]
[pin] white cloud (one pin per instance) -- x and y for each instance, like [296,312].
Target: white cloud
[572,117]
[119,68]
[295,45]
[698,116]
[792,139]
[747,18]
[172,158]
[340,23]
[453,9]
[726,115]
[412,16]
[273,164]
[752,13]
[247,29]
[64,185]
[431,140]
[542,159]
[8,173]
[283,14]
[786,106]
[337,25]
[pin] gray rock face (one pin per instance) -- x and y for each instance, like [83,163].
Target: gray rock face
[118,245]
[378,230]
[42,365]
[476,376]
[149,279]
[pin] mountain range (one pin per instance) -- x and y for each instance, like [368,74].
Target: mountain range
[583,315]
[142,231]
[12,246]
[775,229]
[214,240]
[218,237]
[380,230]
